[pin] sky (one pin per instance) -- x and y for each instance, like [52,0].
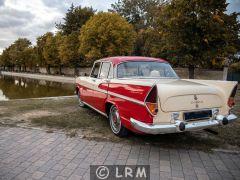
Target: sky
[32,18]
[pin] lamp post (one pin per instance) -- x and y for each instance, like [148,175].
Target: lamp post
[225,68]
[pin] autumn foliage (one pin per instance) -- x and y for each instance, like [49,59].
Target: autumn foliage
[106,34]
[191,34]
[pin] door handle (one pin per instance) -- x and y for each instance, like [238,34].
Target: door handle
[106,80]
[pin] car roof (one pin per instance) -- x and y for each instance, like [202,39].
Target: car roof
[118,59]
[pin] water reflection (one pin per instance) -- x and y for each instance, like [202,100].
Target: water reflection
[21,88]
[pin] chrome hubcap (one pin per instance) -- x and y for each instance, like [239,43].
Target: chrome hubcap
[115,120]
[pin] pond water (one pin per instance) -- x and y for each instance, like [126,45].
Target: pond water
[22,88]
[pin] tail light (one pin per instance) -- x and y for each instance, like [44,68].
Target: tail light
[231,101]
[151,101]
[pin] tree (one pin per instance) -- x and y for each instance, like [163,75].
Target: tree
[148,43]
[31,57]
[143,15]
[41,43]
[106,34]
[195,32]
[50,52]
[140,13]
[17,53]
[68,50]
[74,19]
[5,59]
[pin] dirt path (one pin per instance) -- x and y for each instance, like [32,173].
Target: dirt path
[64,114]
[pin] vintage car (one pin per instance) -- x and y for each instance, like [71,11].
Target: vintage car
[145,95]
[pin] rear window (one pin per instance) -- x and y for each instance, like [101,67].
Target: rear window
[146,69]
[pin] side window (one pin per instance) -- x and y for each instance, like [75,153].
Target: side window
[104,70]
[95,70]
[110,74]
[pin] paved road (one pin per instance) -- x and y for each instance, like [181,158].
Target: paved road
[35,154]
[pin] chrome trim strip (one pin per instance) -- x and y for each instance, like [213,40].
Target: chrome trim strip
[104,114]
[126,98]
[173,128]
[101,90]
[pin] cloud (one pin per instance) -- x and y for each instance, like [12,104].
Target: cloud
[30,19]
[1,2]
[233,6]
[12,18]
[22,18]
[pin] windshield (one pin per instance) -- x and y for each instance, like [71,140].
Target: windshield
[147,69]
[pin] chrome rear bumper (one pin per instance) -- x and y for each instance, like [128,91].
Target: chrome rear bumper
[181,126]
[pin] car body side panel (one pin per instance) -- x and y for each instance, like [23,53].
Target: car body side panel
[99,95]
[127,97]
[137,92]
[85,85]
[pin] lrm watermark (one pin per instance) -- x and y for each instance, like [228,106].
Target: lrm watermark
[113,172]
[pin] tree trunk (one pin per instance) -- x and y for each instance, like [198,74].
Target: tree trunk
[48,69]
[35,69]
[75,71]
[60,69]
[191,69]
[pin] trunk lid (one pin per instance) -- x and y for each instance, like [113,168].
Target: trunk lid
[183,95]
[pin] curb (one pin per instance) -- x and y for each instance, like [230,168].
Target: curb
[44,98]
[226,151]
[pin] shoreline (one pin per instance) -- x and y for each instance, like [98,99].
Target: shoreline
[54,78]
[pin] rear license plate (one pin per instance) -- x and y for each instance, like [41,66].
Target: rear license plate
[197,115]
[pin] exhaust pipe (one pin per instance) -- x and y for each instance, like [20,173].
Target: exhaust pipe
[225,121]
[182,126]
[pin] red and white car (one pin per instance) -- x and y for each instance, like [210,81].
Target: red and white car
[145,95]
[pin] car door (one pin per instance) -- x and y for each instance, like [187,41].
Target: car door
[89,84]
[101,86]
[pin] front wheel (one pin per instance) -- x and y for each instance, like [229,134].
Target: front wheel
[115,123]
[80,102]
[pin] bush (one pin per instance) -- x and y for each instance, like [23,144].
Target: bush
[235,67]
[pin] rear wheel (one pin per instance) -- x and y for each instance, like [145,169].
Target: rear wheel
[115,123]
[80,102]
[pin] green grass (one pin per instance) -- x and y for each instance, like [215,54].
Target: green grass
[78,119]
[91,125]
